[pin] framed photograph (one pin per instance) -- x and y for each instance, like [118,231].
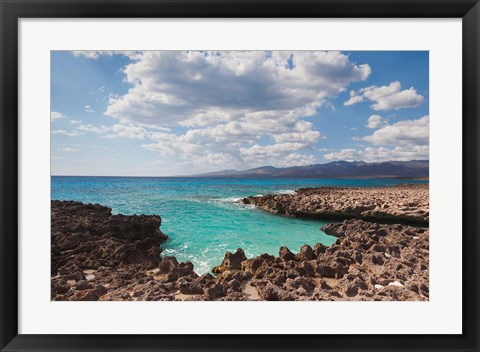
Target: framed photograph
[217,175]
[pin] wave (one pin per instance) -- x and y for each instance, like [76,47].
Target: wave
[228,199]
[286,191]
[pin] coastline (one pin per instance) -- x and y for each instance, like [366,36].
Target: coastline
[399,204]
[100,256]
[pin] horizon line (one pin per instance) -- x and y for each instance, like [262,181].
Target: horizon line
[229,176]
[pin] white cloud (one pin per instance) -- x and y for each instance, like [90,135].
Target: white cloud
[176,148]
[87,53]
[55,115]
[407,132]
[69,149]
[229,102]
[354,99]
[404,140]
[92,128]
[281,154]
[88,108]
[129,131]
[189,88]
[302,133]
[95,54]
[118,130]
[234,143]
[240,109]
[322,150]
[387,97]
[73,133]
[371,154]
[376,121]
[215,160]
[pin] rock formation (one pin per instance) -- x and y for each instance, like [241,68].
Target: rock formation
[100,256]
[406,204]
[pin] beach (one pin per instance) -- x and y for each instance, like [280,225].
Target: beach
[97,255]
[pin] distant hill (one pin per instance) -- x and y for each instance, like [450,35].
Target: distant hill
[334,169]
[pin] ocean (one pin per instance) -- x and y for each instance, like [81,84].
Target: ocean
[202,216]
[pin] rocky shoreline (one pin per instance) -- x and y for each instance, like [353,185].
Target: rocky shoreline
[100,256]
[403,204]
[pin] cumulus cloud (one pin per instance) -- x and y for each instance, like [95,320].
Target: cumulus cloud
[240,109]
[404,140]
[93,128]
[354,99]
[232,104]
[171,87]
[387,97]
[73,133]
[88,108]
[235,143]
[95,54]
[55,115]
[407,132]
[89,54]
[116,131]
[281,153]
[128,131]
[371,154]
[376,121]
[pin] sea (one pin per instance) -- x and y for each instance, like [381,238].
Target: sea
[202,216]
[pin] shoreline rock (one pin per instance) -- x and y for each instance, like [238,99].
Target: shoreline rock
[405,204]
[100,256]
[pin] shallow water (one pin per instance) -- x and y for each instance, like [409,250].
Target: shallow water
[201,215]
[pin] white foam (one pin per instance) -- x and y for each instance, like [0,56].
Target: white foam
[229,199]
[286,191]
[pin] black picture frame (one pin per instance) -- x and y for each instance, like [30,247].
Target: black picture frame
[13,10]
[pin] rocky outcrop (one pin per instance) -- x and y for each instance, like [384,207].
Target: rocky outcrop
[100,256]
[96,255]
[407,204]
[231,261]
[367,262]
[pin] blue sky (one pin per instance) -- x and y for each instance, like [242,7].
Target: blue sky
[163,113]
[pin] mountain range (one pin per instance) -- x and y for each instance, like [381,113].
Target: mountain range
[334,169]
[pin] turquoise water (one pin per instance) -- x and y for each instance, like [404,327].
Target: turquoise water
[201,215]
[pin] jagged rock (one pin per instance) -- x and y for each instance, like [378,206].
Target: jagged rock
[95,258]
[190,288]
[215,291]
[319,249]
[400,204]
[285,254]
[96,255]
[231,262]
[306,253]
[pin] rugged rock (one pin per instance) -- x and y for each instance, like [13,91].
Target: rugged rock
[96,255]
[405,204]
[231,262]
[368,261]
[100,256]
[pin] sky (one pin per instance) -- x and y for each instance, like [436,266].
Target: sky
[167,113]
